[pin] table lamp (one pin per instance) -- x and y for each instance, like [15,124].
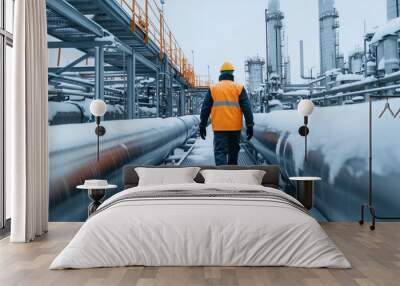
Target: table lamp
[305,108]
[98,108]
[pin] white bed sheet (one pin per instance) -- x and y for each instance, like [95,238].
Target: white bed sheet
[200,232]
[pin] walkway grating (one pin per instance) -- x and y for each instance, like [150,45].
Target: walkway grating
[203,153]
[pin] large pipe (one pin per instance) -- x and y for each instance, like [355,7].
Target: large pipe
[69,112]
[81,82]
[72,149]
[360,85]
[338,152]
[361,92]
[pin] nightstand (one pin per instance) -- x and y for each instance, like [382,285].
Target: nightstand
[305,190]
[96,194]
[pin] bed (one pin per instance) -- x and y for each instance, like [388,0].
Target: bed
[201,224]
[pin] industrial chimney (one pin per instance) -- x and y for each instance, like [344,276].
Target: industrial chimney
[393,9]
[274,18]
[329,38]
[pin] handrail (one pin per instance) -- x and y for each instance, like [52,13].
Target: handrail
[150,20]
[203,81]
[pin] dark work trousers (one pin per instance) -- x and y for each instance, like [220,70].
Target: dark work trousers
[226,147]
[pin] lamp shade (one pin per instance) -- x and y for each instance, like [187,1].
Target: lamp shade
[98,107]
[305,107]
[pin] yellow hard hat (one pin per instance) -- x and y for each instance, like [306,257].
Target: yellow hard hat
[227,66]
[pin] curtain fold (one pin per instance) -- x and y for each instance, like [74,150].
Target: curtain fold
[27,153]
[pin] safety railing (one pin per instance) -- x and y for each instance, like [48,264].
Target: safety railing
[147,16]
[203,81]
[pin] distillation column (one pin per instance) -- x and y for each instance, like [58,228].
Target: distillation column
[329,42]
[254,68]
[274,18]
[393,9]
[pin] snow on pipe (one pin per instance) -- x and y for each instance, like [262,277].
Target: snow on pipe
[78,112]
[338,152]
[72,149]
[356,86]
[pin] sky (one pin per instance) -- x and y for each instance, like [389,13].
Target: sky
[233,30]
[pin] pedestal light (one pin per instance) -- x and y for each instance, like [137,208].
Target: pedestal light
[305,108]
[98,108]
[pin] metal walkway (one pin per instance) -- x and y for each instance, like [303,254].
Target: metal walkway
[127,42]
[202,153]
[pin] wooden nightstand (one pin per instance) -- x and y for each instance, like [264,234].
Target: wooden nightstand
[305,190]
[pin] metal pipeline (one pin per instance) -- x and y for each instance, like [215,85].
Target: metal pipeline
[337,152]
[361,92]
[77,111]
[361,85]
[141,141]
[80,82]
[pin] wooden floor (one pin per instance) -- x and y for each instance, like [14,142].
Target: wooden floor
[375,257]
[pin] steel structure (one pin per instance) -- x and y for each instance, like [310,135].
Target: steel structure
[370,206]
[138,64]
[393,9]
[254,69]
[254,74]
[329,38]
[381,86]
[355,62]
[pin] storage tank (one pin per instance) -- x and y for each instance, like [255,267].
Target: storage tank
[391,53]
[254,74]
[356,62]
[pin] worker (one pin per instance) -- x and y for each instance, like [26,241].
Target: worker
[227,102]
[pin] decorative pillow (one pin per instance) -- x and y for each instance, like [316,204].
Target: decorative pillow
[247,177]
[166,176]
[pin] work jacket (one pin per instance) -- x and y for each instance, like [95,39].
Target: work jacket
[227,102]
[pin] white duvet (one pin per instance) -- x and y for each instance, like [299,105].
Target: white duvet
[200,232]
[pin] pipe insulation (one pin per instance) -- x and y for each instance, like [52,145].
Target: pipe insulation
[337,152]
[73,149]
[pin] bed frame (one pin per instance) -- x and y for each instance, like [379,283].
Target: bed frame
[271,177]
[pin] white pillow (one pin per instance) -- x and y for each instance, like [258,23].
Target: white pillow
[247,177]
[166,176]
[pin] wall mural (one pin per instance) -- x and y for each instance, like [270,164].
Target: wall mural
[154,101]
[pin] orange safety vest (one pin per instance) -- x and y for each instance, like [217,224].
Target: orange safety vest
[226,114]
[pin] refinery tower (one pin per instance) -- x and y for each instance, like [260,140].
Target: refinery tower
[393,9]
[329,39]
[274,18]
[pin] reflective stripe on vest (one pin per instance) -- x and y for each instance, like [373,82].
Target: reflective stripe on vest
[226,114]
[226,103]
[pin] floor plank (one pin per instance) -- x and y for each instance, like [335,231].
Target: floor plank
[375,257]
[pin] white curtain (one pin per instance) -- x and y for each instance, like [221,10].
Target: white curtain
[27,147]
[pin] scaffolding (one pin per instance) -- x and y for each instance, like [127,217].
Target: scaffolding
[124,53]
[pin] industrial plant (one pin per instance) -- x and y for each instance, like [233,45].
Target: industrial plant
[203,142]
[341,91]
[362,68]
[125,53]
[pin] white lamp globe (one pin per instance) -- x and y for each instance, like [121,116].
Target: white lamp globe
[305,107]
[98,107]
